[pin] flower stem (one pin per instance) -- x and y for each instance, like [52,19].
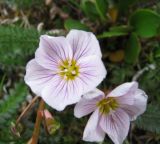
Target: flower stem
[36,131]
[26,109]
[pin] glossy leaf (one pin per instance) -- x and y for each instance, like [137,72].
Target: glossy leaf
[133,49]
[145,23]
[74,24]
[101,7]
[89,9]
[115,31]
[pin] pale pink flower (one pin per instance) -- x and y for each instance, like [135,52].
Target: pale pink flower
[111,113]
[64,68]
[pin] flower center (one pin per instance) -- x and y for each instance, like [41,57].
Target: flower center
[107,104]
[69,70]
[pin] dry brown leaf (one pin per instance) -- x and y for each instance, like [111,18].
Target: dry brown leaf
[116,56]
[113,13]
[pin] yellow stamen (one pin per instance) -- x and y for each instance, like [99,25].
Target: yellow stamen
[69,69]
[107,104]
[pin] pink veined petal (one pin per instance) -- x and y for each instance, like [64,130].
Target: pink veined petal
[52,51]
[37,77]
[83,44]
[91,72]
[116,125]
[94,93]
[93,132]
[87,104]
[123,89]
[139,106]
[60,93]
[124,93]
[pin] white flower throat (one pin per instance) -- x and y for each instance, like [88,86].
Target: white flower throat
[69,69]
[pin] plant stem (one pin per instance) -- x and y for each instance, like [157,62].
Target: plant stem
[36,131]
[26,109]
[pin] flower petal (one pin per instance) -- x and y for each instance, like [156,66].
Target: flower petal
[83,44]
[93,131]
[123,89]
[60,93]
[124,93]
[116,125]
[37,77]
[53,50]
[91,72]
[88,103]
[139,106]
[93,93]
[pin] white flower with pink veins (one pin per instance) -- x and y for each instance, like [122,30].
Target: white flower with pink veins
[111,113]
[65,68]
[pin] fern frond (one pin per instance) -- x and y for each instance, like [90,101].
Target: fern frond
[17,44]
[150,120]
[10,103]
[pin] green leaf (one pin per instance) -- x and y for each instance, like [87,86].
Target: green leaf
[10,104]
[88,7]
[74,24]
[121,28]
[115,31]
[150,120]
[145,23]
[25,4]
[123,5]
[17,44]
[101,7]
[133,49]
[157,52]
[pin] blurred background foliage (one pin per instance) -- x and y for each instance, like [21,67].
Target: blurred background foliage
[129,35]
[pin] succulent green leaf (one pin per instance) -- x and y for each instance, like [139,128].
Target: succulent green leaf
[132,49]
[146,23]
[101,7]
[89,9]
[75,24]
[115,31]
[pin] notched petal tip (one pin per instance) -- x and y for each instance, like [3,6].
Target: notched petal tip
[83,43]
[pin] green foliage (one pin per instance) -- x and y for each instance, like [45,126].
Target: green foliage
[89,9]
[11,102]
[25,3]
[75,24]
[115,31]
[133,49]
[150,81]
[95,9]
[146,23]
[123,26]
[101,7]
[9,106]
[17,44]
[123,5]
[2,82]
[150,120]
